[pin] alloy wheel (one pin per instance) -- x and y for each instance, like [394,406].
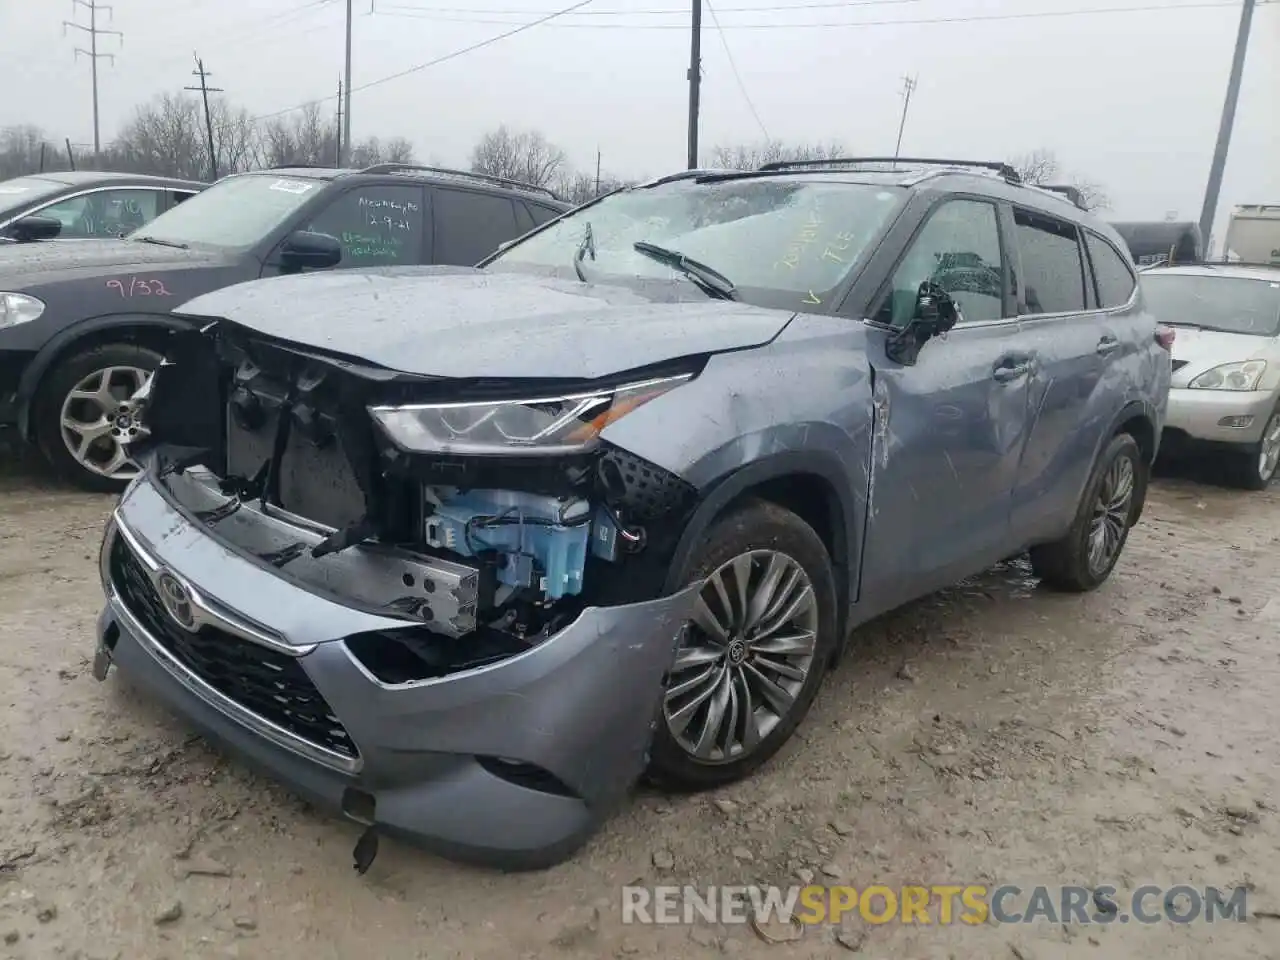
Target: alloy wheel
[99,417]
[1111,515]
[1269,451]
[744,657]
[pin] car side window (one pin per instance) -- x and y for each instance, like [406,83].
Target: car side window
[103,214]
[524,220]
[958,249]
[377,225]
[1114,276]
[1052,271]
[469,226]
[542,214]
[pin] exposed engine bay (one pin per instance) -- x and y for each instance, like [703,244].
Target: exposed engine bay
[461,507]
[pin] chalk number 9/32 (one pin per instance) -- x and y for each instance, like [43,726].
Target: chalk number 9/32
[139,287]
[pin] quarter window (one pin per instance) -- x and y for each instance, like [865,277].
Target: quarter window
[959,250]
[376,225]
[1115,279]
[470,226]
[104,214]
[1053,274]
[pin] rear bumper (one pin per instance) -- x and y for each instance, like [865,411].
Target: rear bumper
[1218,416]
[512,765]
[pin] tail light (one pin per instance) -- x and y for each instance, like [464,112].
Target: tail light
[1165,336]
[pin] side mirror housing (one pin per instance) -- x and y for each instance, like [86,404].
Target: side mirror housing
[34,227]
[935,313]
[304,250]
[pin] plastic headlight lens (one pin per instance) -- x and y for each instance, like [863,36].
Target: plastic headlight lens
[1231,376]
[537,427]
[16,308]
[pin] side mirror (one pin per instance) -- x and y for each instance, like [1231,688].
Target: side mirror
[935,313]
[310,251]
[34,227]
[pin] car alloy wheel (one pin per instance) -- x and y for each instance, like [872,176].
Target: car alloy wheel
[1111,515]
[744,657]
[98,418]
[1269,449]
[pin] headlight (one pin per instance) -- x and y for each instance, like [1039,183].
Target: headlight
[16,308]
[539,427]
[1231,376]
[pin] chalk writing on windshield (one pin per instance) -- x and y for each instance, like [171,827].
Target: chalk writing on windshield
[807,237]
[136,286]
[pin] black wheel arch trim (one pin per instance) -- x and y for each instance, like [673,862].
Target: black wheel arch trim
[57,347]
[1130,411]
[845,536]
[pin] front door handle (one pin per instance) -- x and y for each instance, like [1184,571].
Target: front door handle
[1106,345]
[1010,368]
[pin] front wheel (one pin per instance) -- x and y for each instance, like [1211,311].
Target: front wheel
[753,656]
[1254,466]
[1085,557]
[84,415]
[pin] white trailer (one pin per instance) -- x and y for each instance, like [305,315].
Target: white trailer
[1253,234]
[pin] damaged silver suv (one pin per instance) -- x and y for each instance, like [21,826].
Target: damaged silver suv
[462,552]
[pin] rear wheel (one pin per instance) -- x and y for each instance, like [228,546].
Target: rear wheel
[753,656]
[1085,557]
[84,414]
[1254,467]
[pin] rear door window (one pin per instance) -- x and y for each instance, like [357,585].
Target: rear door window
[542,214]
[377,225]
[103,214]
[1052,271]
[1113,275]
[469,225]
[524,220]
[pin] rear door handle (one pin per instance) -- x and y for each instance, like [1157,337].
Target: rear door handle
[1106,345]
[1010,368]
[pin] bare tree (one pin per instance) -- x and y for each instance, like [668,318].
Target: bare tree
[578,187]
[752,156]
[524,156]
[1041,168]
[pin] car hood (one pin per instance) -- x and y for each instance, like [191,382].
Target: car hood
[25,265]
[1200,350]
[463,322]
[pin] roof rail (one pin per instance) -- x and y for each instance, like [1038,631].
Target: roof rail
[1071,193]
[467,174]
[1003,169]
[300,166]
[1239,263]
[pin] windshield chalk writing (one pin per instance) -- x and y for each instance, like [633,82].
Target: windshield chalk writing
[136,286]
[808,236]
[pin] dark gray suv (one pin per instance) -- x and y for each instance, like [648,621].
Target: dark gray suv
[461,552]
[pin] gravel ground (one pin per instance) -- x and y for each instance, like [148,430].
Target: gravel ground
[993,733]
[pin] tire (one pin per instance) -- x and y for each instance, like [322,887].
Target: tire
[54,393]
[1246,468]
[772,540]
[1065,564]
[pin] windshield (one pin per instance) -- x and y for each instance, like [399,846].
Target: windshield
[1229,304]
[233,214]
[779,242]
[18,193]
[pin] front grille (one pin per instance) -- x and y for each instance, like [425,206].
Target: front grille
[1179,364]
[270,684]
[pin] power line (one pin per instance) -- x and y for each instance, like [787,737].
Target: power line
[431,63]
[742,87]
[94,31]
[280,18]
[972,18]
[390,9]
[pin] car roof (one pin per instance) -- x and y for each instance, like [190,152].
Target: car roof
[95,178]
[1234,270]
[422,173]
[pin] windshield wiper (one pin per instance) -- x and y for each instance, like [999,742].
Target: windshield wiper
[588,245]
[161,243]
[712,281]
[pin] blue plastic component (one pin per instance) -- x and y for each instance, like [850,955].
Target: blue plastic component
[531,535]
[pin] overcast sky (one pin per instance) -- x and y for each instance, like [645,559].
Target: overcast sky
[1128,99]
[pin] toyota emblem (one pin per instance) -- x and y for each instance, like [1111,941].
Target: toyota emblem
[177,600]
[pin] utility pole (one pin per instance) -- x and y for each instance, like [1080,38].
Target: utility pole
[597,171]
[695,81]
[346,112]
[337,160]
[92,53]
[204,90]
[1210,209]
[908,87]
